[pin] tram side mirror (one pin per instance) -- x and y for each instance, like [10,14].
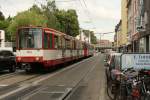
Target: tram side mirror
[14,49]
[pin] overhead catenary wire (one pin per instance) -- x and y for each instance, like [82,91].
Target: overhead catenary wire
[88,13]
[106,32]
[84,3]
[83,6]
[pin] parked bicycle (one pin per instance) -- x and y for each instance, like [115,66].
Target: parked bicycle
[133,86]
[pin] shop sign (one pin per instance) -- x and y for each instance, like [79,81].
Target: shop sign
[137,61]
[135,36]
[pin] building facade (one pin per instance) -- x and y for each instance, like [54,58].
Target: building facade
[143,26]
[121,29]
[119,37]
[124,28]
[104,43]
[135,27]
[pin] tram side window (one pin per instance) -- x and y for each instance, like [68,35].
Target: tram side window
[63,43]
[68,44]
[45,40]
[50,41]
[74,45]
[56,41]
[59,42]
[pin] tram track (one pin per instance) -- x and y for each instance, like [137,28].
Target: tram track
[78,84]
[38,80]
[9,75]
[17,85]
[69,90]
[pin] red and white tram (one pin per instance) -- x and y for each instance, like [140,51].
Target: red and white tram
[46,47]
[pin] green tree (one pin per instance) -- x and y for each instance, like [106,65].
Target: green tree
[2,16]
[47,15]
[68,22]
[72,23]
[49,11]
[26,18]
[36,9]
[4,24]
[88,33]
[93,38]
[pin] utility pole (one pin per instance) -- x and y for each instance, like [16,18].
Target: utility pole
[103,34]
[89,37]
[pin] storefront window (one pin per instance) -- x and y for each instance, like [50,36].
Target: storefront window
[141,45]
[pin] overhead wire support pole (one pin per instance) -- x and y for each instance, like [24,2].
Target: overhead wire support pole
[86,11]
[84,3]
[104,33]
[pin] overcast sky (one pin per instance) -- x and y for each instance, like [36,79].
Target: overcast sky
[98,15]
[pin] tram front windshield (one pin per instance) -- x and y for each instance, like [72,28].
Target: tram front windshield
[30,38]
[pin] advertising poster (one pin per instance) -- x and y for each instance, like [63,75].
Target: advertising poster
[137,61]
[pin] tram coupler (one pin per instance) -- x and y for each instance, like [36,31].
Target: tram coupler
[26,66]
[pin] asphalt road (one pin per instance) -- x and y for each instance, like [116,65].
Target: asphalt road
[84,80]
[93,86]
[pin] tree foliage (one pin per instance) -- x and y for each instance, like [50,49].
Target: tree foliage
[88,33]
[68,22]
[26,18]
[47,16]
[3,22]
[49,11]
[1,16]
[93,38]
[64,21]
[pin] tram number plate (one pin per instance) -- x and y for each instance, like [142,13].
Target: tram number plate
[29,51]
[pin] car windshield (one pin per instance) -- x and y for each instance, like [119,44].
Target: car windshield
[30,38]
[5,53]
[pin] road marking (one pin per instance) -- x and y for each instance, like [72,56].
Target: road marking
[69,67]
[103,86]
[72,90]
[52,92]
[12,92]
[3,85]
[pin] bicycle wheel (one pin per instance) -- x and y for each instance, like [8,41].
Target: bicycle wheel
[109,90]
[120,94]
[147,97]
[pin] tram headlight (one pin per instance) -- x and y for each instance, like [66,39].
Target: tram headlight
[19,58]
[37,58]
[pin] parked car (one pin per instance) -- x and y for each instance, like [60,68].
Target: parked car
[7,61]
[112,62]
